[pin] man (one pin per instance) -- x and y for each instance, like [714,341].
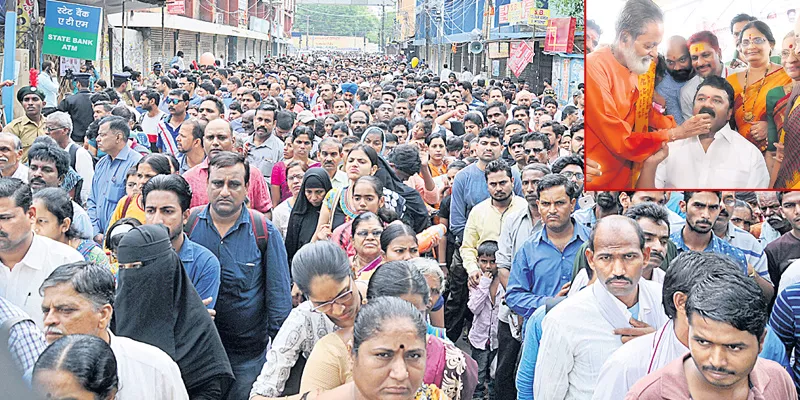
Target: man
[330,155]
[250,100]
[59,126]
[542,267]
[536,146]
[108,184]
[263,88]
[79,107]
[496,114]
[149,101]
[49,166]
[169,127]
[31,125]
[576,142]
[469,189]
[631,198]
[647,354]
[358,121]
[516,229]
[10,154]
[585,329]
[190,143]
[25,339]
[593,33]
[384,113]
[218,138]
[704,161]
[516,149]
[727,317]
[615,141]
[679,71]
[786,249]
[166,200]
[606,203]
[402,108]
[264,148]
[26,258]
[163,86]
[466,96]
[742,216]
[702,209]
[427,109]
[570,167]
[101,109]
[340,108]
[707,61]
[284,123]
[120,83]
[247,317]
[211,108]
[189,84]
[774,223]
[324,107]
[78,298]
[745,242]
[554,131]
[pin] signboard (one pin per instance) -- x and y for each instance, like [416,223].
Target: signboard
[504,14]
[176,7]
[521,56]
[243,14]
[516,13]
[72,30]
[560,36]
[495,67]
[498,50]
[538,16]
[66,63]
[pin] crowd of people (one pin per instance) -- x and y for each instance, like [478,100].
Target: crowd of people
[674,120]
[347,227]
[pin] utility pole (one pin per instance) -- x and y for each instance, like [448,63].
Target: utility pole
[163,49]
[307,19]
[427,9]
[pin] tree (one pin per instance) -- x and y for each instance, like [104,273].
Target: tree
[569,8]
[338,20]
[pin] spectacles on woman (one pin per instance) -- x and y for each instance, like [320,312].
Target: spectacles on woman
[341,300]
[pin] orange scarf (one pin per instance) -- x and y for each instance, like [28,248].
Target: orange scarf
[644,104]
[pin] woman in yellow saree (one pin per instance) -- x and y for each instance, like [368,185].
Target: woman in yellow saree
[783,106]
[751,86]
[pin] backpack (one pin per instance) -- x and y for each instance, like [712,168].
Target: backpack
[257,221]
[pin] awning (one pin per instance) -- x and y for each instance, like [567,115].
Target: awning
[177,22]
[115,6]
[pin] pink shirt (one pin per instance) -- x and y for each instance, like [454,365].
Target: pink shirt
[257,192]
[769,381]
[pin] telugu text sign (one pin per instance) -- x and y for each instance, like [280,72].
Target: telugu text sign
[521,56]
[72,30]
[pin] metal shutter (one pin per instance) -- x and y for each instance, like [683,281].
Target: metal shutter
[155,46]
[207,44]
[240,49]
[187,42]
[221,49]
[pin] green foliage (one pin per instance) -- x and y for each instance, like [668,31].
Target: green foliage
[570,8]
[339,20]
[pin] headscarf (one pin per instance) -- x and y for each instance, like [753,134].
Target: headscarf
[158,305]
[373,129]
[304,216]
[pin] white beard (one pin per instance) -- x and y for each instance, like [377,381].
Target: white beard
[637,65]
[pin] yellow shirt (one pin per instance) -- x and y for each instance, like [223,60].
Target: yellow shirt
[27,131]
[134,211]
[484,224]
[328,365]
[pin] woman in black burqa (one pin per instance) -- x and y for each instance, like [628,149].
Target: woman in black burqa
[157,304]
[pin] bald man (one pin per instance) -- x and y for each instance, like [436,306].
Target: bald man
[679,70]
[218,137]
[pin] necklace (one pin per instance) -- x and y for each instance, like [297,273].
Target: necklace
[748,115]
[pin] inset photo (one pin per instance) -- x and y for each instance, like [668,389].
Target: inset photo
[691,95]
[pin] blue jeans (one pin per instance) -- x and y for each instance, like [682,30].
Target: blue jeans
[485,382]
[246,371]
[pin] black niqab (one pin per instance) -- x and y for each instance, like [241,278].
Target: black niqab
[303,219]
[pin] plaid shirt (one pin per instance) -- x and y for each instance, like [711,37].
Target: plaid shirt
[26,341]
[320,110]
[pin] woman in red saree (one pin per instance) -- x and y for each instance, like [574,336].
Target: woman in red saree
[752,85]
[783,118]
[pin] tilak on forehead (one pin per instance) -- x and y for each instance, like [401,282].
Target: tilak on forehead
[698,48]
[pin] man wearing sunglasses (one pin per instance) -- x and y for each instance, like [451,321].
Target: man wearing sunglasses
[169,127]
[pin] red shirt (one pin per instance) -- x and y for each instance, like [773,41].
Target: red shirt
[257,192]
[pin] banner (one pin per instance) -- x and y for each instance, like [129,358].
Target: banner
[498,50]
[516,13]
[560,35]
[521,56]
[176,7]
[72,30]
[504,14]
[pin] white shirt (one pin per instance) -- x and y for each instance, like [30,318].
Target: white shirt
[280,216]
[20,285]
[577,338]
[730,162]
[689,90]
[145,371]
[150,124]
[84,166]
[790,276]
[21,173]
[637,358]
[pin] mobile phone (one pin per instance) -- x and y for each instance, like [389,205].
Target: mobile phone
[586,202]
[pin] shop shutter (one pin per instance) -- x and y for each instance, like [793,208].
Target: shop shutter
[187,42]
[240,49]
[155,46]
[206,44]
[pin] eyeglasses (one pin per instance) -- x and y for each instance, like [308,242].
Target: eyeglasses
[570,175]
[297,177]
[365,233]
[756,41]
[173,101]
[341,300]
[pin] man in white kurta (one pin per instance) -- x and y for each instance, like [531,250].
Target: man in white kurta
[579,334]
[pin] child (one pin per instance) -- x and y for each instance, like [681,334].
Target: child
[484,302]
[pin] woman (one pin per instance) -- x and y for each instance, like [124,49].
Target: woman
[437,149]
[340,206]
[434,276]
[366,232]
[131,206]
[322,272]
[302,139]
[783,119]
[398,374]
[77,367]
[398,242]
[305,213]
[340,131]
[368,198]
[751,86]
[327,123]
[446,366]
[157,304]
[375,138]
[294,177]
[54,220]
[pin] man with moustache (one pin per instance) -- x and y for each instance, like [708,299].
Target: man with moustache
[706,60]
[702,209]
[576,143]
[264,149]
[324,106]
[330,155]
[745,242]
[169,127]
[614,141]
[10,154]
[516,229]
[786,249]
[593,33]
[705,161]
[190,143]
[774,224]
[679,71]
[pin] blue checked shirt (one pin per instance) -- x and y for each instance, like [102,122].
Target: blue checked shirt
[716,245]
[25,342]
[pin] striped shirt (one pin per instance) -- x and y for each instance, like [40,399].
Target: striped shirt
[750,247]
[716,245]
[25,342]
[785,322]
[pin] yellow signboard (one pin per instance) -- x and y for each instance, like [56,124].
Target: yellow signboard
[538,16]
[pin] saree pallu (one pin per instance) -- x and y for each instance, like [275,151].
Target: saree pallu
[777,101]
[756,105]
[450,369]
[789,173]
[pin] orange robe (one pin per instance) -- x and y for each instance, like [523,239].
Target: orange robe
[611,90]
